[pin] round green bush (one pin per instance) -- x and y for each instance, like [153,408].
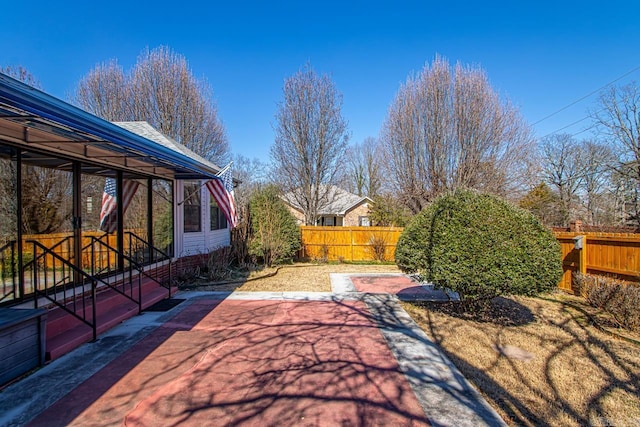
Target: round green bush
[480,246]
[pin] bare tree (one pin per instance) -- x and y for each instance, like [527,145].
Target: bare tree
[46,193]
[364,168]
[8,200]
[562,169]
[617,117]
[310,141]
[596,161]
[161,90]
[106,92]
[253,175]
[580,173]
[448,128]
[8,178]
[22,74]
[626,193]
[46,200]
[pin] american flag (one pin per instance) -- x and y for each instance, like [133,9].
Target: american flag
[109,210]
[221,188]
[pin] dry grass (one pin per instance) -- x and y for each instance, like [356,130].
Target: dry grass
[554,367]
[299,277]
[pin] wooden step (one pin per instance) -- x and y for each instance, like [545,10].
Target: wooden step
[59,320]
[65,332]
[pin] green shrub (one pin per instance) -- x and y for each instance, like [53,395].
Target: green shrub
[618,298]
[480,246]
[275,234]
[9,265]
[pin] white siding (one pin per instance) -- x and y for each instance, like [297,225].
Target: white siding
[201,242]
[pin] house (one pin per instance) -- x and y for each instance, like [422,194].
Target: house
[200,224]
[338,208]
[94,218]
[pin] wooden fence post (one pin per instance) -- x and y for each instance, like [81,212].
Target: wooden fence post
[583,255]
[580,244]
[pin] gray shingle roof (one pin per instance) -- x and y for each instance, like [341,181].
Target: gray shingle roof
[338,201]
[145,130]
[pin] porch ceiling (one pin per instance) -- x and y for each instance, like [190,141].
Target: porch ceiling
[44,124]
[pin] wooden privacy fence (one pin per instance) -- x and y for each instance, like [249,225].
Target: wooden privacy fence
[349,243]
[611,254]
[63,246]
[602,253]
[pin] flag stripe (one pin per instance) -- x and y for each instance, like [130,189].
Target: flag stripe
[221,188]
[109,209]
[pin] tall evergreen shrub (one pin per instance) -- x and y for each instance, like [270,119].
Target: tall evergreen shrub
[275,236]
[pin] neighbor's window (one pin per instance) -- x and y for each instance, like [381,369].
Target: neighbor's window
[192,207]
[218,220]
[363,221]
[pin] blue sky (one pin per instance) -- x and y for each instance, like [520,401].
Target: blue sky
[541,55]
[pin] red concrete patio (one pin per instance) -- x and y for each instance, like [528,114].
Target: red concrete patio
[242,362]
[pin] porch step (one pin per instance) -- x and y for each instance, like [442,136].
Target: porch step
[59,320]
[65,332]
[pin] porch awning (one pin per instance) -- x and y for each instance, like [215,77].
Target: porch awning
[34,120]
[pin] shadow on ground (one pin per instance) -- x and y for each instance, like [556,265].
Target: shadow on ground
[576,374]
[259,362]
[500,311]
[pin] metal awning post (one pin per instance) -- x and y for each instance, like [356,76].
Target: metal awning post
[120,224]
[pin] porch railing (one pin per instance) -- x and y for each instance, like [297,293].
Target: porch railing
[8,271]
[74,289]
[62,283]
[144,253]
[122,280]
[105,257]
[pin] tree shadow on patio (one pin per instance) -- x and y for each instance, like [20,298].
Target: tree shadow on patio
[265,362]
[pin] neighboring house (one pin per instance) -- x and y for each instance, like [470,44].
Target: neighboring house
[340,208]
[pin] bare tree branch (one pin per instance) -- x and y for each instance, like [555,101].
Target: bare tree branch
[618,118]
[161,90]
[311,139]
[448,128]
[364,168]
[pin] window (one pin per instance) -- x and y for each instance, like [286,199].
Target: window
[363,221]
[327,221]
[218,220]
[192,207]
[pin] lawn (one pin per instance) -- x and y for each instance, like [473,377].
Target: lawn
[537,361]
[541,361]
[299,277]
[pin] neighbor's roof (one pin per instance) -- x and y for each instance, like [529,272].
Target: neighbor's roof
[43,124]
[338,201]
